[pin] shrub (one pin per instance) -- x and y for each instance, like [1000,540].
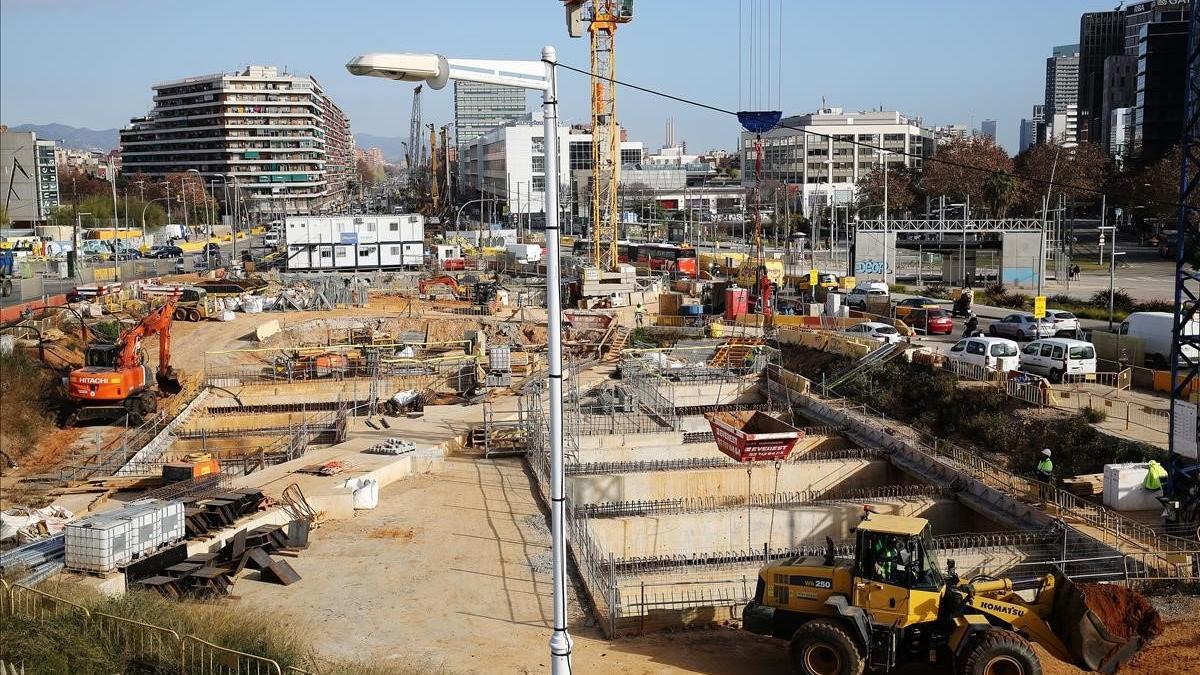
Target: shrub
[936,291]
[1155,306]
[1121,300]
[1093,415]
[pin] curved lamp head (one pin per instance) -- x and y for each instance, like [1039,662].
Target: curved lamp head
[430,68]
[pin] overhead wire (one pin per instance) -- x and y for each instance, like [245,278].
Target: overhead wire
[905,153]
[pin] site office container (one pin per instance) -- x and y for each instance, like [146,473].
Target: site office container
[368,255]
[295,231]
[345,256]
[98,543]
[298,257]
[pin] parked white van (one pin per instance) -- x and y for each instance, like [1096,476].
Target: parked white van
[1154,330]
[1057,358]
[993,353]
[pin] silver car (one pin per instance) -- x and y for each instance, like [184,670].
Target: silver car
[1022,327]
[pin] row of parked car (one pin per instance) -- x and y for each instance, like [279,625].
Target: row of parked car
[1054,358]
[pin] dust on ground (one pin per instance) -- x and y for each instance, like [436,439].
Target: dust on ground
[471,589]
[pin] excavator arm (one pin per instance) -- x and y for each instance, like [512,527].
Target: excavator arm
[157,322]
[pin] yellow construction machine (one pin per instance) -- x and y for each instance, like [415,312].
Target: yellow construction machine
[892,606]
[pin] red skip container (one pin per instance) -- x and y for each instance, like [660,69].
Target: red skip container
[752,436]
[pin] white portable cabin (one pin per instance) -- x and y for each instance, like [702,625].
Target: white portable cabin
[355,241]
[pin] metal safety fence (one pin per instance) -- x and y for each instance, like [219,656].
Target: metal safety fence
[135,641]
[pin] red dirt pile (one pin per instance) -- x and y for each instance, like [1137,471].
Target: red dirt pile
[1125,613]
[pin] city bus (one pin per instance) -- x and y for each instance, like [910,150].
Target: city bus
[672,258]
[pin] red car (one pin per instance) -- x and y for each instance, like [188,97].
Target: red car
[932,321]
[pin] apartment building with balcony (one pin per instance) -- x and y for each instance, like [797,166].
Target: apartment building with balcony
[274,137]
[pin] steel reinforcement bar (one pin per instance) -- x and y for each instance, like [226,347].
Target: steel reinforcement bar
[773,500]
[716,462]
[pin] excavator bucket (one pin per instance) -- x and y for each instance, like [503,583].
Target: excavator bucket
[170,381]
[1104,625]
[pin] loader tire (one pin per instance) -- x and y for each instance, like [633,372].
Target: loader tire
[822,647]
[193,315]
[180,314]
[1000,652]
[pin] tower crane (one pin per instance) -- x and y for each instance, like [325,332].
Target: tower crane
[603,18]
[414,136]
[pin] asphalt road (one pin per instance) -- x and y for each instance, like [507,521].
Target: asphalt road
[59,286]
[987,316]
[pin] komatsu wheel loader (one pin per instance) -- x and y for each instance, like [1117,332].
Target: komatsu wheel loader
[892,606]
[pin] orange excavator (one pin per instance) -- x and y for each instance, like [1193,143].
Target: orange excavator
[115,379]
[442,280]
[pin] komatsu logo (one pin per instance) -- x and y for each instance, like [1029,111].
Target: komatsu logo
[1000,609]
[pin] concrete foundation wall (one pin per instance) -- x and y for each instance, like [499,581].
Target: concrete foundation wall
[742,391]
[677,450]
[594,489]
[714,531]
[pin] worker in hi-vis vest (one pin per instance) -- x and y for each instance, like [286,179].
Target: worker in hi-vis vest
[1154,475]
[1045,474]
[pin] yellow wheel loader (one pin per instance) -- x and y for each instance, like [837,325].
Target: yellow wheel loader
[892,606]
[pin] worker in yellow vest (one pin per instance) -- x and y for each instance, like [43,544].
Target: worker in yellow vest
[1154,475]
[1045,474]
[639,314]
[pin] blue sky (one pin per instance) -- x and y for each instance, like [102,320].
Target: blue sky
[91,62]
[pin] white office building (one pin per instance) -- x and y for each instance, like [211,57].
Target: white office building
[354,242]
[508,163]
[827,152]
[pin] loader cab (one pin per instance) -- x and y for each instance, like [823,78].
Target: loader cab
[896,572]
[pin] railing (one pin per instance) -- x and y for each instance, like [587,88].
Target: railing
[771,500]
[716,462]
[205,658]
[136,641]
[140,641]
[109,458]
[1114,528]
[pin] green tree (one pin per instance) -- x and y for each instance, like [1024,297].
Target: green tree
[999,192]
[1078,172]
[961,168]
[902,191]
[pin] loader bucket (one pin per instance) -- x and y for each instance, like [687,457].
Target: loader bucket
[1102,625]
[170,381]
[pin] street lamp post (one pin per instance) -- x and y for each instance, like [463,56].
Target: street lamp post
[540,75]
[207,251]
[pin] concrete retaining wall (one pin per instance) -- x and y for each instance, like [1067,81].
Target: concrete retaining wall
[715,531]
[599,488]
[677,450]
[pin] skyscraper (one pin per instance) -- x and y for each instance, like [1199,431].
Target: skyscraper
[1062,93]
[1150,11]
[479,108]
[1028,134]
[1162,72]
[1101,35]
[988,128]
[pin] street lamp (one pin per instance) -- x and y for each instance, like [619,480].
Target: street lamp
[207,250]
[1112,269]
[437,70]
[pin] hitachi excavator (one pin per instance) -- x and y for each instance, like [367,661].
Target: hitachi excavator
[892,606]
[115,379]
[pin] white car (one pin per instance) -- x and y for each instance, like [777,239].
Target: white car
[1057,358]
[857,297]
[875,330]
[993,353]
[1065,323]
[1022,327]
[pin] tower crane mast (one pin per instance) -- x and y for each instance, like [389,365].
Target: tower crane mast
[603,18]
